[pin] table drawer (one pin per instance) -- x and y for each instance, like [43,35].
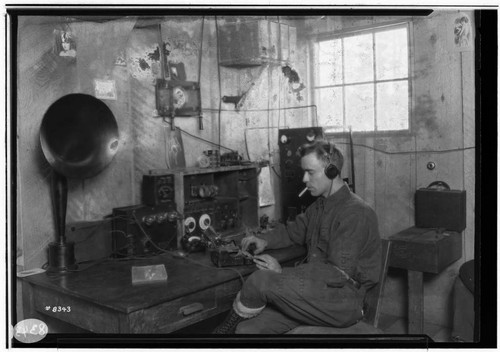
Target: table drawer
[91,317]
[174,315]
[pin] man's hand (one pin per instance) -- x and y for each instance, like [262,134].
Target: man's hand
[260,244]
[266,262]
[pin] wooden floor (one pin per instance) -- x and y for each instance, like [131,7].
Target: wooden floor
[391,325]
[397,325]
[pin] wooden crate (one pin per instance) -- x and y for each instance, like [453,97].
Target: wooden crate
[425,250]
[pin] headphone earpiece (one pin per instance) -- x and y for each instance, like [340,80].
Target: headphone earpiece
[331,170]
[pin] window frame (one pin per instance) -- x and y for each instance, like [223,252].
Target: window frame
[352,32]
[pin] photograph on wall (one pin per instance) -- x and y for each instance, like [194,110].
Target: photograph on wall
[120,59]
[461,32]
[65,43]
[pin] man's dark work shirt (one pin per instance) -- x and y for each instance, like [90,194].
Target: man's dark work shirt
[341,232]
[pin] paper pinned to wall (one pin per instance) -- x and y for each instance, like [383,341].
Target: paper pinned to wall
[266,194]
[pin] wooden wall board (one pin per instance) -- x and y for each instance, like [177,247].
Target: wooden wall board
[448,169]
[39,86]
[469,158]
[469,155]
[184,38]
[392,192]
[364,163]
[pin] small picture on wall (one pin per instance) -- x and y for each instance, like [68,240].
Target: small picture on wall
[461,32]
[65,44]
[120,59]
[105,89]
[177,71]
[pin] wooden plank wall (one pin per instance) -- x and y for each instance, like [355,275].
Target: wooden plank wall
[443,119]
[44,77]
[443,114]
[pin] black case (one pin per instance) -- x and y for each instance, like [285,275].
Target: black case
[440,208]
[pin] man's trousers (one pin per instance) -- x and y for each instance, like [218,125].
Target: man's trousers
[293,298]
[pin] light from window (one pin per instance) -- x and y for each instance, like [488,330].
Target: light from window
[362,80]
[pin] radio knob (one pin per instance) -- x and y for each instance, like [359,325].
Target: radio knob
[285,139]
[311,136]
[161,217]
[172,216]
[149,219]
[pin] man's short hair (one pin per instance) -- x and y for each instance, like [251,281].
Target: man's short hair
[323,150]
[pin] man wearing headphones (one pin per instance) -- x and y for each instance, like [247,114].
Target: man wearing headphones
[343,258]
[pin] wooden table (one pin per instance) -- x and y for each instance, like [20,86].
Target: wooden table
[102,298]
[420,250]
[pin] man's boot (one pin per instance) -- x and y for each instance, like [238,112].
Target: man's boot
[228,326]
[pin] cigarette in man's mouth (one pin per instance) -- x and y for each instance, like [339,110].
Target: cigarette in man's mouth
[303,191]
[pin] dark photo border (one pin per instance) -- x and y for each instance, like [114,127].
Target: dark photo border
[486,46]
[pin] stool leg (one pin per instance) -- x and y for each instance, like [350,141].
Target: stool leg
[415,302]
[383,276]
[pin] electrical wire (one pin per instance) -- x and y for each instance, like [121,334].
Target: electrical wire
[222,146]
[201,48]
[219,80]
[172,254]
[199,138]
[272,167]
[200,56]
[259,170]
[246,144]
[214,267]
[269,72]
[149,238]
[407,151]
[265,110]
[92,233]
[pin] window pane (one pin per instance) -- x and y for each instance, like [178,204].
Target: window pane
[358,56]
[392,53]
[359,107]
[330,107]
[329,69]
[392,106]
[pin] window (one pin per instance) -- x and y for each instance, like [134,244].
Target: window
[361,80]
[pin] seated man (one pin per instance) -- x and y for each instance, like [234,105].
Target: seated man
[343,258]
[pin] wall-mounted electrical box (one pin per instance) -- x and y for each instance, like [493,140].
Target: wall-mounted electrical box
[253,43]
[179,98]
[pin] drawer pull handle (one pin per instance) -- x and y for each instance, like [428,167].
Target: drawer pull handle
[191,308]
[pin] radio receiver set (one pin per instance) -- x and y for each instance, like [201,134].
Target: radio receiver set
[222,200]
[157,189]
[144,230]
